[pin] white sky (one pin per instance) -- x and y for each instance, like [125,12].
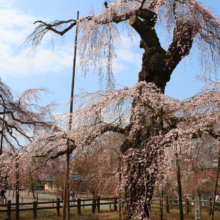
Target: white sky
[20,70]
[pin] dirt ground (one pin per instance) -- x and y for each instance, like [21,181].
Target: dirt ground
[105,215]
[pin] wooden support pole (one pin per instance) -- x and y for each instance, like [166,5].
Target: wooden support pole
[2,133]
[53,203]
[166,205]
[58,207]
[186,206]
[9,209]
[179,186]
[93,205]
[115,204]
[35,209]
[216,184]
[161,203]
[66,203]
[98,203]
[209,206]
[17,188]
[79,206]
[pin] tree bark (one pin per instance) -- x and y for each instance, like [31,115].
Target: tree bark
[157,67]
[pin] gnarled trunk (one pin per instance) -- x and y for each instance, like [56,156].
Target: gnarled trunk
[157,67]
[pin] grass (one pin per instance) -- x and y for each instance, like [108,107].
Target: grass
[174,214]
[51,215]
[107,215]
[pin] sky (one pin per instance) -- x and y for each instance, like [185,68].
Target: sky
[51,67]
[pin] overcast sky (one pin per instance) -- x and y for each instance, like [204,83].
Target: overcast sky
[52,69]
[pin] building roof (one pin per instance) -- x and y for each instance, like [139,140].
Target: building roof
[73,177]
[76,177]
[51,178]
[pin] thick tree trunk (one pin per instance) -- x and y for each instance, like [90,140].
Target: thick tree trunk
[157,67]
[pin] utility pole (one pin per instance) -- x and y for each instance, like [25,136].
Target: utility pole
[66,205]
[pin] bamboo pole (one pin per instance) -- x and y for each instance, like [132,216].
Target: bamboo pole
[216,184]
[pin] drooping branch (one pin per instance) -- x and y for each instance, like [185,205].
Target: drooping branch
[183,35]
[52,26]
[109,128]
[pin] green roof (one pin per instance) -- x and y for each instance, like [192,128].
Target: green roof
[51,178]
[73,177]
[76,177]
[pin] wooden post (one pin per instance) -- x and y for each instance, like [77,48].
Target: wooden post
[83,204]
[179,185]
[93,205]
[161,202]
[216,184]
[98,203]
[209,206]
[110,206]
[120,199]
[9,209]
[79,206]
[66,204]
[58,207]
[17,188]
[2,131]
[53,203]
[21,201]
[35,209]
[37,196]
[115,204]
[186,206]
[166,205]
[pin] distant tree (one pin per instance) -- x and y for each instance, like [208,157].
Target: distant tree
[197,166]
[22,118]
[21,121]
[99,167]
